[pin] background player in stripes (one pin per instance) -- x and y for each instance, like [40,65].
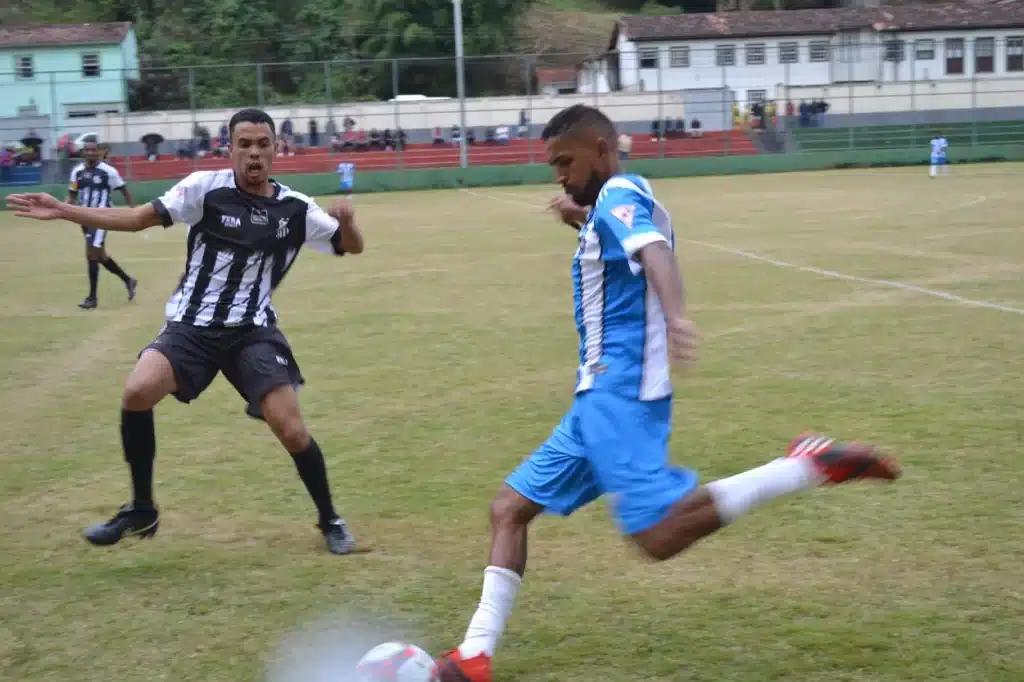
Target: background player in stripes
[244,232]
[630,316]
[92,183]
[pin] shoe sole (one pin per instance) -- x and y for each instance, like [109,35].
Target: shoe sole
[142,534]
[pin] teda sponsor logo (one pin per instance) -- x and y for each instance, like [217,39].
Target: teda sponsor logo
[230,221]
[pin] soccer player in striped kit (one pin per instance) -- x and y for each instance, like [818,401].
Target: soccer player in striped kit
[92,183]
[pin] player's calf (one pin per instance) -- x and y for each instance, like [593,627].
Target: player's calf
[280,409]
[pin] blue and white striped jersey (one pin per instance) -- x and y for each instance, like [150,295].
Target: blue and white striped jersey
[623,340]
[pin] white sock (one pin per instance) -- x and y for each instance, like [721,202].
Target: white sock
[934,170]
[739,494]
[499,594]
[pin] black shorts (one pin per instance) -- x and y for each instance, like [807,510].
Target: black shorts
[256,360]
[94,236]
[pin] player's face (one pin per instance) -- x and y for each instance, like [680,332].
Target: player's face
[581,164]
[91,152]
[252,151]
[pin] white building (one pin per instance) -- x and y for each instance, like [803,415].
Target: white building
[757,54]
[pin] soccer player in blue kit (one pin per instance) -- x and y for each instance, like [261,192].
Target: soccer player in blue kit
[629,302]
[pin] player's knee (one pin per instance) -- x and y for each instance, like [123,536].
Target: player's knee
[511,508]
[293,434]
[140,395]
[151,380]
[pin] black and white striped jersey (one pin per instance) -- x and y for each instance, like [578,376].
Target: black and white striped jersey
[95,184]
[240,247]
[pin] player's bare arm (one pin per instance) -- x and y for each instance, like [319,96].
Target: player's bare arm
[568,211]
[351,237]
[47,207]
[128,199]
[662,270]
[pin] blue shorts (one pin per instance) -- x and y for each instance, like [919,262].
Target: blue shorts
[938,160]
[346,185]
[608,444]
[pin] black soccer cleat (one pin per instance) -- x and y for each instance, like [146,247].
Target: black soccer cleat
[88,303]
[142,523]
[338,537]
[131,284]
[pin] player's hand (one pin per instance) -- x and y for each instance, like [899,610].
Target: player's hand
[342,211]
[568,211]
[34,205]
[682,340]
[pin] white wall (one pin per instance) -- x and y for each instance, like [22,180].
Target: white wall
[856,56]
[482,112]
[863,98]
[703,71]
[935,68]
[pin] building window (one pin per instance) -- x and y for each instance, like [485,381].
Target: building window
[954,56]
[818,51]
[725,55]
[894,50]
[90,65]
[984,55]
[679,57]
[649,58]
[924,50]
[789,53]
[755,54]
[849,48]
[24,69]
[1015,53]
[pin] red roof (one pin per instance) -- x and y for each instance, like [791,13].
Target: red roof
[963,15]
[63,34]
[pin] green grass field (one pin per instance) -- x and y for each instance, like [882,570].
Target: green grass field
[446,353]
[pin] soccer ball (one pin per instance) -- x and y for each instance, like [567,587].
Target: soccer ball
[397,662]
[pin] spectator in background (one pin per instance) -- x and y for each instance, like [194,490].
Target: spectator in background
[6,164]
[456,136]
[695,128]
[805,114]
[400,139]
[314,133]
[287,138]
[470,136]
[502,135]
[438,135]
[524,124]
[331,129]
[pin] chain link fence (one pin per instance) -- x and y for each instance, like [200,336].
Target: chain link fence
[669,101]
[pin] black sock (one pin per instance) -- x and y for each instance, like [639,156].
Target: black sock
[94,277]
[138,437]
[112,267]
[313,472]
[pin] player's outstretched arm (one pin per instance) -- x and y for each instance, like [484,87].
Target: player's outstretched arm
[662,273]
[47,207]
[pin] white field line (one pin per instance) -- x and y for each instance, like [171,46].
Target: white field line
[834,274]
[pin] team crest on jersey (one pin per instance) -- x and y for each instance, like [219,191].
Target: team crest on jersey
[625,214]
[259,217]
[282,228]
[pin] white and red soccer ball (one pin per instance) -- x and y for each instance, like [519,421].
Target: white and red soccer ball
[397,662]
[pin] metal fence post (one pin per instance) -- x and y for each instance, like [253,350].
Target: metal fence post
[259,85]
[661,113]
[727,149]
[528,77]
[192,109]
[398,122]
